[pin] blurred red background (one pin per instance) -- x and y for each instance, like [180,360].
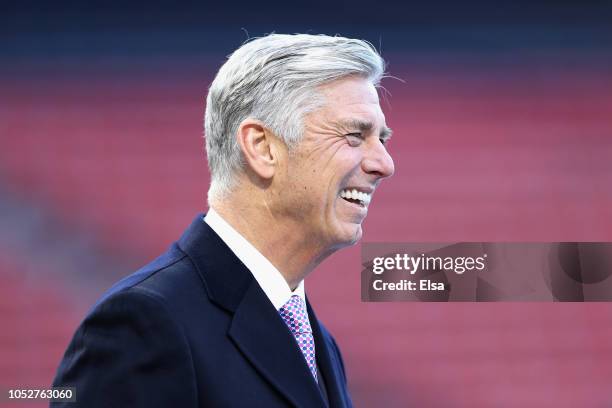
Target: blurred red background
[102,167]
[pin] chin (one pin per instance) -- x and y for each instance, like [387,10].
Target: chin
[358,235]
[350,237]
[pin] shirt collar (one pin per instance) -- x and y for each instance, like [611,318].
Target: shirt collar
[267,276]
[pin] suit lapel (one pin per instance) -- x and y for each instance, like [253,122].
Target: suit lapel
[256,327]
[263,337]
[328,365]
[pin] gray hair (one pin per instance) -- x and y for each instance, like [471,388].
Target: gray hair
[274,79]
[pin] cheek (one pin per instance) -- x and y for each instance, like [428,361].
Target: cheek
[303,191]
[316,181]
[349,154]
[347,166]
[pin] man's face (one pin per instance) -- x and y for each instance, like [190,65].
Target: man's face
[330,177]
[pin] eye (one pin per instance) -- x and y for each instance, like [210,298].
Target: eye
[354,139]
[383,141]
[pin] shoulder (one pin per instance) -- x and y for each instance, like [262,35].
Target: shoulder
[126,345]
[170,277]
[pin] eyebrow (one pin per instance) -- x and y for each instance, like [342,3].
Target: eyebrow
[365,126]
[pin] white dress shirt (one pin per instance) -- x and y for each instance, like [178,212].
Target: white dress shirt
[267,276]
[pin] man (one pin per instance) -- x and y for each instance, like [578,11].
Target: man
[295,141]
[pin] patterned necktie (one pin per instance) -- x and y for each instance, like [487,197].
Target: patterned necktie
[295,316]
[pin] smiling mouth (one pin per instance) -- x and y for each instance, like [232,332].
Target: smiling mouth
[356,197]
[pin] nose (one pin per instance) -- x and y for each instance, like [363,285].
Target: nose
[377,160]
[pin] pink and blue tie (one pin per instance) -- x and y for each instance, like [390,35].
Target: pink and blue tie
[295,316]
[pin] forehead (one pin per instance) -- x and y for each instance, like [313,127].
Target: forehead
[350,87]
[351,99]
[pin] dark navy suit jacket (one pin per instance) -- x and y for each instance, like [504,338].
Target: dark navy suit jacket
[194,329]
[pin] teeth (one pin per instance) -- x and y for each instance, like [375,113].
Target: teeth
[353,194]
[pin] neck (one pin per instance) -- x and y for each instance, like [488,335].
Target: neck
[293,254]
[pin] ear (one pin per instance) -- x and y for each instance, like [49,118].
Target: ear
[258,147]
